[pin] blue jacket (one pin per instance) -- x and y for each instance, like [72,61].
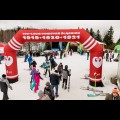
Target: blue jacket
[30,60]
[0,57]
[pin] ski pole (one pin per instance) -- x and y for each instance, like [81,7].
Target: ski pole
[95,78]
[69,84]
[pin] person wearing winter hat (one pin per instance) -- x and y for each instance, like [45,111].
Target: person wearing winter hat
[4,84]
[114,95]
[43,96]
[49,91]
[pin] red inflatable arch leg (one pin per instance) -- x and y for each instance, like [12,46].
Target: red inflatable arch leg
[11,66]
[96,69]
[96,58]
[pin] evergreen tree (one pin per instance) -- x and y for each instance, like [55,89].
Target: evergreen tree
[92,33]
[108,38]
[98,36]
[87,30]
[118,42]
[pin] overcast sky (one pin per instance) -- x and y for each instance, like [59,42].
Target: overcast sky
[102,25]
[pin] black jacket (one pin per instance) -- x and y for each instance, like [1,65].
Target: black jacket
[3,87]
[54,79]
[49,92]
[4,84]
[107,55]
[61,52]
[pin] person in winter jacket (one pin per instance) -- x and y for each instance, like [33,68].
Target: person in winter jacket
[71,51]
[60,69]
[46,57]
[0,58]
[114,95]
[49,91]
[47,68]
[37,79]
[107,57]
[32,82]
[50,57]
[4,84]
[110,56]
[26,57]
[61,54]
[30,60]
[54,80]
[65,76]
[43,96]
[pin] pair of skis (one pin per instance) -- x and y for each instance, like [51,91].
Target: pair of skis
[95,95]
[95,92]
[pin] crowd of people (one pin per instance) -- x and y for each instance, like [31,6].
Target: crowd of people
[58,73]
[109,56]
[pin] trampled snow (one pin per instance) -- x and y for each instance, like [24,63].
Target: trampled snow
[79,66]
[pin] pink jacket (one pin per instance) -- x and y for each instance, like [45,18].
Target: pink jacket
[37,76]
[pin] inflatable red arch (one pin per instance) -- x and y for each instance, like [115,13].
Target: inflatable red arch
[63,35]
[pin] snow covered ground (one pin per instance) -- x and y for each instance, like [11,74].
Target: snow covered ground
[80,67]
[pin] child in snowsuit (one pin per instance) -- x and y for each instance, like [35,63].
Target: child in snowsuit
[37,80]
[47,68]
[32,82]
